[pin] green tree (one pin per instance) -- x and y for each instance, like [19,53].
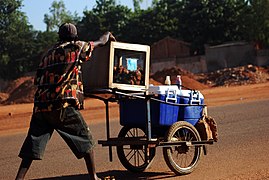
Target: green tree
[136,4]
[59,15]
[254,22]
[138,28]
[154,23]
[106,16]
[209,22]
[164,19]
[16,37]
[41,43]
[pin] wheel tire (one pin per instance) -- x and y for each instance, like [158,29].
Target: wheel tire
[132,157]
[182,159]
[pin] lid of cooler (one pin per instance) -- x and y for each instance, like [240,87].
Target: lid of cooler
[163,89]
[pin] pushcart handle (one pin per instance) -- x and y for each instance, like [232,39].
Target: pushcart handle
[135,95]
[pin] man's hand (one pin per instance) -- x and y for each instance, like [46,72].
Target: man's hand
[104,39]
[111,37]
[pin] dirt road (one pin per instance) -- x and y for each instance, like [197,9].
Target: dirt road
[241,153]
[16,118]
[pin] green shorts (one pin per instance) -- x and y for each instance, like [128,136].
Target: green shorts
[68,122]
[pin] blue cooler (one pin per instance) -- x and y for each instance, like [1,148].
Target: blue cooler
[163,115]
[166,114]
[133,111]
[193,110]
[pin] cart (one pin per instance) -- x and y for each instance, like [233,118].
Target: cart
[151,120]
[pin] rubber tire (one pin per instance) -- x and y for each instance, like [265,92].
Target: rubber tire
[122,156]
[167,151]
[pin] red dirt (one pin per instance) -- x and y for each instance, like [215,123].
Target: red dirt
[188,78]
[22,90]
[17,97]
[16,117]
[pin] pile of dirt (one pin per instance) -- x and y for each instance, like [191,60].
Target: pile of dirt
[152,81]
[3,96]
[242,75]
[18,91]
[22,90]
[188,78]
[3,86]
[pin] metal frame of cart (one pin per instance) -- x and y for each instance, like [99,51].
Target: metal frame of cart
[136,146]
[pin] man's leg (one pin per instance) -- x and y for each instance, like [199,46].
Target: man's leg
[89,159]
[35,142]
[76,133]
[25,165]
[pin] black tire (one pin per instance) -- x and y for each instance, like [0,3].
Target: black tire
[133,157]
[182,159]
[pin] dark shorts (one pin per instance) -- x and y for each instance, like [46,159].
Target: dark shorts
[68,122]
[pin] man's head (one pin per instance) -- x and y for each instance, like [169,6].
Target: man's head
[68,32]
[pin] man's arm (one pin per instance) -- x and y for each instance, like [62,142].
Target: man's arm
[104,39]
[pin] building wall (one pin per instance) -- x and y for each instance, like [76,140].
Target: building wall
[262,58]
[229,55]
[194,64]
[169,52]
[165,63]
[168,48]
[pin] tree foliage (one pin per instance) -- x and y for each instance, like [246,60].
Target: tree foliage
[136,4]
[198,22]
[15,37]
[58,15]
[106,16]
[21,46]
[255,21]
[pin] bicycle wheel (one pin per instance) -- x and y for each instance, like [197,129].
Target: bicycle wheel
[135,158]
[182,159]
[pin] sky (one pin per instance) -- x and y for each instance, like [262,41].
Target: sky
[35,9]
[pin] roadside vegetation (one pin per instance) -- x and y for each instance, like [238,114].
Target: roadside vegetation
[197,22]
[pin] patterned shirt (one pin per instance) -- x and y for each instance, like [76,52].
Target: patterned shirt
[58,77]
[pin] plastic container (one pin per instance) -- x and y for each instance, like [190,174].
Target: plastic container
[133,114]
[133,111]
[163,115]
[179,82]
[167,80]
[193,110]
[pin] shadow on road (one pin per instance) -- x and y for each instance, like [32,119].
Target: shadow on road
[118,175]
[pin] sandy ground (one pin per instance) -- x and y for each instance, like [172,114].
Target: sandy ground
[16,118]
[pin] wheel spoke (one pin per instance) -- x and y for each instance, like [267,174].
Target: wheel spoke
[141,155]
[183,158]
[133,157]
[130,154]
